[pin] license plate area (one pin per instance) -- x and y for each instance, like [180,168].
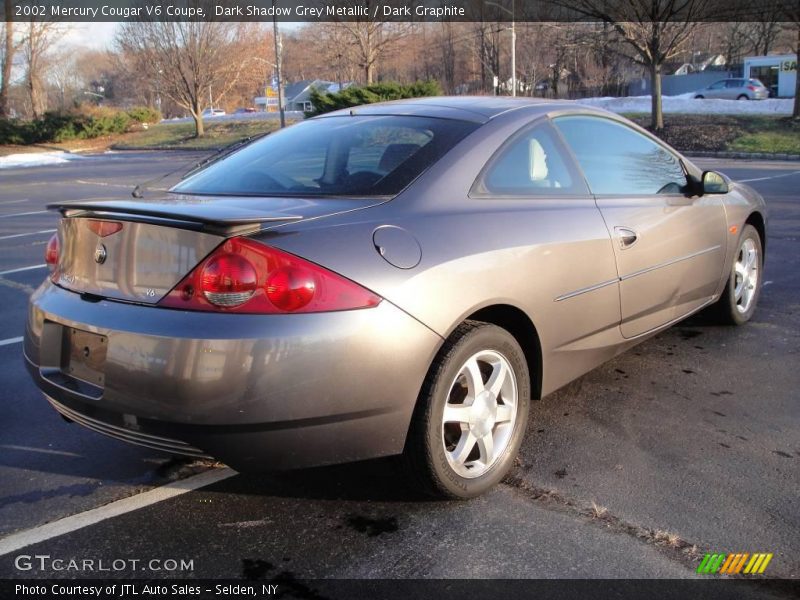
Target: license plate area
[83,355]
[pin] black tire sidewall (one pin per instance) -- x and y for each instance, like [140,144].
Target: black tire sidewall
[484,337]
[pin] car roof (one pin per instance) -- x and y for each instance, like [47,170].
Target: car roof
[479,109]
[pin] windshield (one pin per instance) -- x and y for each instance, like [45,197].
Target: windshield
[333,156]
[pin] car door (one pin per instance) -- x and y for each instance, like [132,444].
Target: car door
[564,271]
[669,246]
[716,90]
[734,88]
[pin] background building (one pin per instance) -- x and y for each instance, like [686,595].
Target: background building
[778,73]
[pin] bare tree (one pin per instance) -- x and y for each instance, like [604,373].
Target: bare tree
[653,31]
[65,79]
[735,41]
[188,61]
[371,38]
[6,59]
[319,50]
[792,15]
[761,33]
[39,37]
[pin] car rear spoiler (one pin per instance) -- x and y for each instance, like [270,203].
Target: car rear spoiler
[200,216]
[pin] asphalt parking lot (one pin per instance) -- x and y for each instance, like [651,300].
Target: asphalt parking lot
[689,443]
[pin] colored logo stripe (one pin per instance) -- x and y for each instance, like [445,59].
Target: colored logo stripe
[758,563]
[732,564]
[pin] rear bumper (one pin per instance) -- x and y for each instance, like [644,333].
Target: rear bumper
[256,392]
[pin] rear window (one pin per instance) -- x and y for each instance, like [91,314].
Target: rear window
[333,156]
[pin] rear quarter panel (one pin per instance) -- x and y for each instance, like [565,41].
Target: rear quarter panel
[551,258]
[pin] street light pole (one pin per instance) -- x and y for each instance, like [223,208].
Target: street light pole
[278,51]
[513,42]
[513,50]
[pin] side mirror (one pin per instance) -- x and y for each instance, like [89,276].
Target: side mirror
[714,183]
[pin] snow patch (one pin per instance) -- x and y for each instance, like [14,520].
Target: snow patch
[687,104]
[36,159]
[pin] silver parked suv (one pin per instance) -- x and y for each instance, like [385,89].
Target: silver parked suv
[735,89]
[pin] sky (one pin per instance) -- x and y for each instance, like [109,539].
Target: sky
[90,35]
[100,35]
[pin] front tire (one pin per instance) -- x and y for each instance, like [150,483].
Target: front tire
[471,414]
[738,301]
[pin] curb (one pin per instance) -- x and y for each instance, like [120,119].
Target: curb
[745,155]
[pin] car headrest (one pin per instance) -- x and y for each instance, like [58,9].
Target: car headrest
[537,161]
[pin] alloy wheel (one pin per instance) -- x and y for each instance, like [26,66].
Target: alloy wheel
[746,275]
[479,414]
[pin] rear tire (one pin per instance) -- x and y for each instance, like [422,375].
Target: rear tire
[470,449]
[699,97]
[743,97]
[738,301]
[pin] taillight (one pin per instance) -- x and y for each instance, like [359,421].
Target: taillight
[291,288]
[752,88]
[244,276]
[52,252]
[228,280]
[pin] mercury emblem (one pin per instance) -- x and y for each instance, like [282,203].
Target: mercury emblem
[100,254]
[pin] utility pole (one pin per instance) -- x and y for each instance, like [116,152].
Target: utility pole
[278,52]
[513,50]
[513,42]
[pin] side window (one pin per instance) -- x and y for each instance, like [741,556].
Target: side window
[619,160]
[718,85]
[533,164]
[735,83]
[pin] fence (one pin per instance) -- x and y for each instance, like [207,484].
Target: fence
[674,85]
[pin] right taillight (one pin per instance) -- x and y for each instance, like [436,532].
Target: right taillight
[52,252]
[244,276]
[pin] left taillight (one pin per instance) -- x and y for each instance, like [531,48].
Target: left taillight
[52,252]
[244,276]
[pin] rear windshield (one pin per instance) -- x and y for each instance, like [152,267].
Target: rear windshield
[333,156]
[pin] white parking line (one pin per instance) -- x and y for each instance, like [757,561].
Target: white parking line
[106,184]
[15,340]
[20,201]
[41,450]
[90,517]
[16,235]
[770,177]
[21,269]
[33,212]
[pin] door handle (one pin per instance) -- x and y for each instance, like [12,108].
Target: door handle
[627,237]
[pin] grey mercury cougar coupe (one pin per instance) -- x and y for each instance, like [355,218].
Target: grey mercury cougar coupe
[399,278]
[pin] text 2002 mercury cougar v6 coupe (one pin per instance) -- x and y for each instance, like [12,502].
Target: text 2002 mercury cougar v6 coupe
[400,278]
